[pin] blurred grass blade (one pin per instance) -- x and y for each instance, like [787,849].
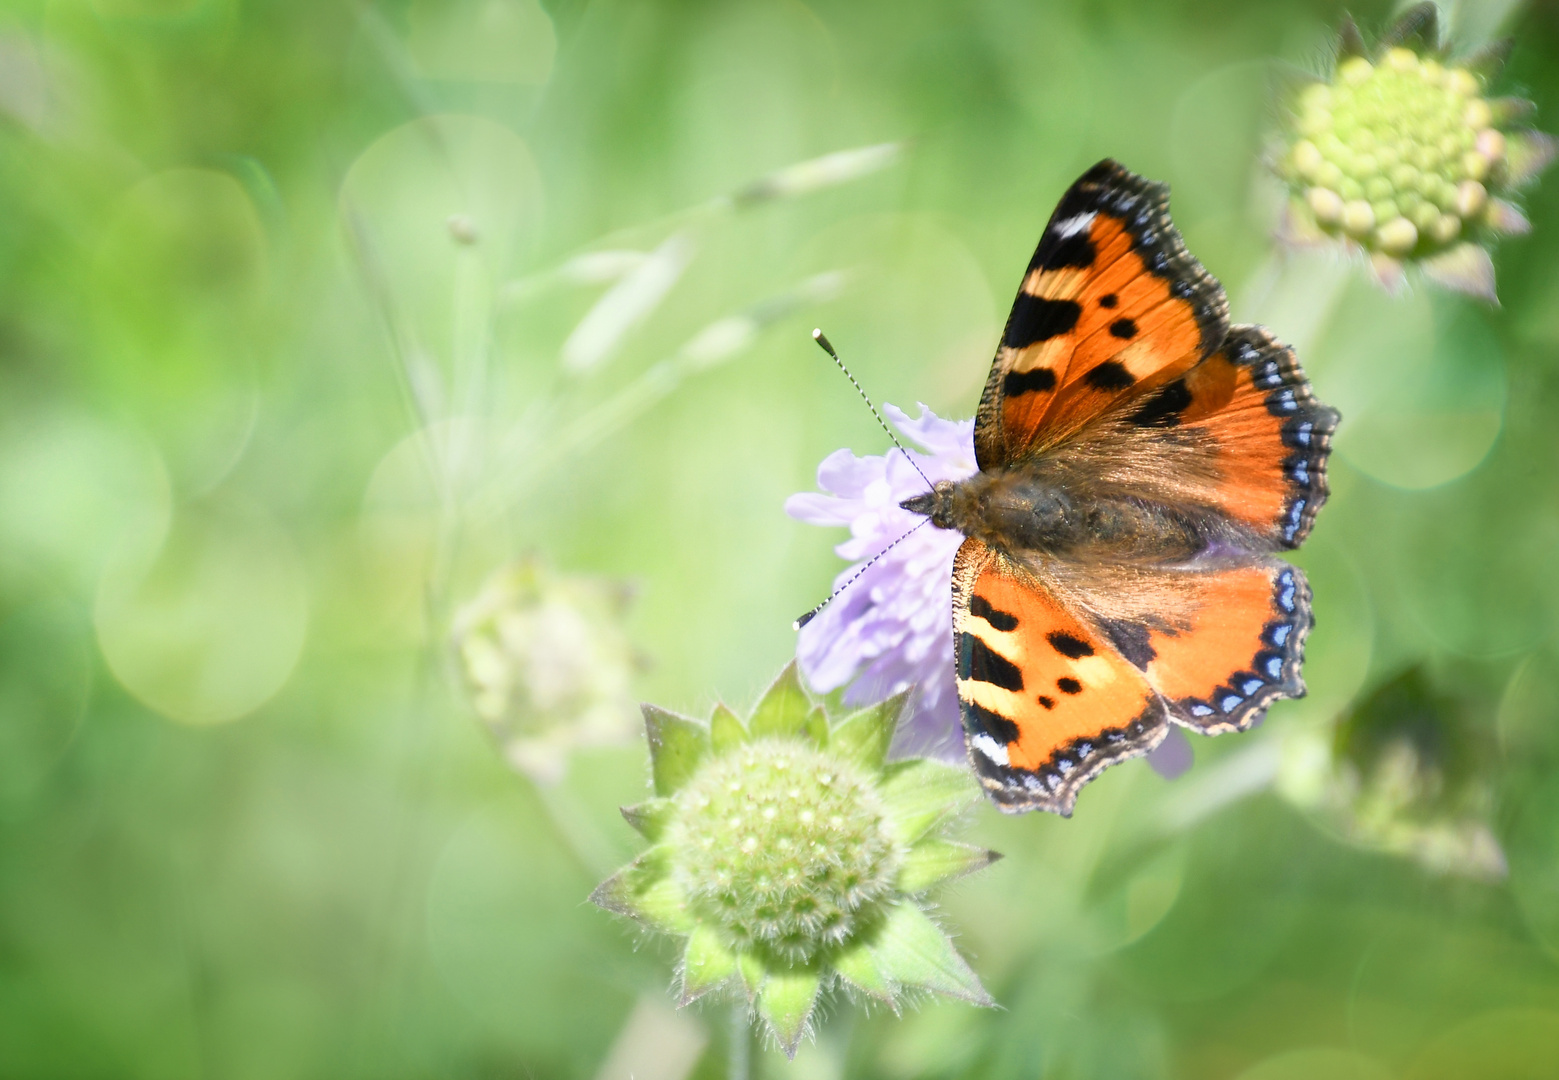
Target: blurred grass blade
[816,174]
[720,341]
[632,300]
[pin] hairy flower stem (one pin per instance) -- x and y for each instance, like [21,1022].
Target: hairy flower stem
[739,1052]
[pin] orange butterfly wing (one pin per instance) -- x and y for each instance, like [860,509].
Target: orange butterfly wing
[1252,407]
[1239,651]
[1112,305]
[1118,377]
[1047,702]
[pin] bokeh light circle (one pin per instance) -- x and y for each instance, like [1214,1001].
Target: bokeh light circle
[208,625]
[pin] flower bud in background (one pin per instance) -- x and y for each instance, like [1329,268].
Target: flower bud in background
[1403,154]
[547,663]
[793,856]
[1400,774]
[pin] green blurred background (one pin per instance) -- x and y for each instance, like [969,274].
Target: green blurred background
[286,294]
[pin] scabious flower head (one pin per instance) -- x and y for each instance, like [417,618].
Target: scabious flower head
[1400,774]
[792,856]
[547,663]
[891,630]
[1404,155]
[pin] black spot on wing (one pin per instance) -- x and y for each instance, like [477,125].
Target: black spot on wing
[1163,409]
[1001,620]
[1047,702]
[1068,685]
[978,720]
[1108,300]
[1110,375]
[1057,252]
[1036,319]
[1024,382]
[979,662]
[1073,648]
[1132,641]
[1124,328]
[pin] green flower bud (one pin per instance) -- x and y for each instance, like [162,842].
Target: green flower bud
[1404,773]
[793,856]
[547,663]
[1402,155]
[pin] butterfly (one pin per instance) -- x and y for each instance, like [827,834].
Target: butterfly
[1141,464]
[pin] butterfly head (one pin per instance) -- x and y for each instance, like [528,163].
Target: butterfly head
[1009,510]
[936,504]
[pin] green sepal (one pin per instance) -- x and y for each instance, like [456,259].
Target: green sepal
[677,745]
[784,707]
[644,891]
[933,860]
[1511,110]
[706,964]
[816,728]
[1527,153]
[726,730]
[786,1002]
[752,971]
[920,793]
[1418,28]
[650,817]
[1465,268]
[864,736]
[913,951]
[858,967]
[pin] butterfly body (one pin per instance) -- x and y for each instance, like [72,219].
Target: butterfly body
[1142,464]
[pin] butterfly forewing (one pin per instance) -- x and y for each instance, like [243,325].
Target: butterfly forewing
[1112,306]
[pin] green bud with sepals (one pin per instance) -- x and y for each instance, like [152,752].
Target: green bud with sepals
[794,857]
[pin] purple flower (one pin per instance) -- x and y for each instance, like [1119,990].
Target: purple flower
[892,628]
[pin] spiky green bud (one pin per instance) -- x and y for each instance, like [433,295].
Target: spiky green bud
[1406,157]
[792,856]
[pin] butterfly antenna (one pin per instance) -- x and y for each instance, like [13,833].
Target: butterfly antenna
[828,347]
[809,616]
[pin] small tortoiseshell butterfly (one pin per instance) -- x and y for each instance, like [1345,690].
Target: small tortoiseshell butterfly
[1141,461]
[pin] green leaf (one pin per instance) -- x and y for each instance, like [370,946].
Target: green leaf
[752,971]
[726,731]
[705,964]
[858,967]
[919,794]
[783,708]
[934,860]
[677,745]
[649,817]
[644,891]
[786,1002]
[913,951]
[865,736]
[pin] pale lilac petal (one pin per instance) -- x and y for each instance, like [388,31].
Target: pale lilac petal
[891,627]
[1173,756]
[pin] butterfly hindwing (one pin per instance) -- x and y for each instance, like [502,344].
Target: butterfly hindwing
[1250,404]
[1047,701]
[1112,305]
[1241,650]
